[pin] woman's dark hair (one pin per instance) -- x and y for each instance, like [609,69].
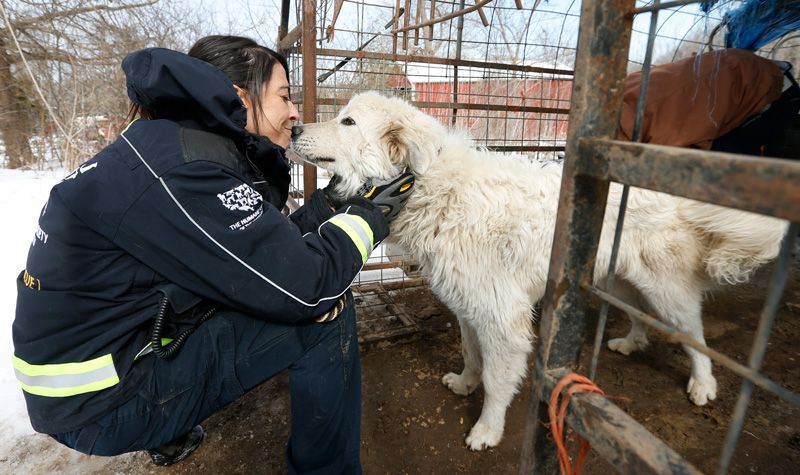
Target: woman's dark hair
[246,63]
[137,110]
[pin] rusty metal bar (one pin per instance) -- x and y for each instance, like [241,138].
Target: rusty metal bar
[463,11]
[405,24]
[623,203]
[286,41]
[663,6]
[401,284]
[390,334]
[309,52]
[419,12]
[526,148]
[394,26]
[776,288]
[761,185]
[284,26]
[389,285]
[679,337]
[330,30]
[336,101]
[322,77]
[431,17]
[409,58]
[603,45]
[401,314]
[396,313]
[484,20]
[616,436]
[459,40]
[636,135]
[388,265]
[609,285]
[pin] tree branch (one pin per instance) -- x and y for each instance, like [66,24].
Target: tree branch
[51,16]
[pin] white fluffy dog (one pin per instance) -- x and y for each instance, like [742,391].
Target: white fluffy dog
[481,225]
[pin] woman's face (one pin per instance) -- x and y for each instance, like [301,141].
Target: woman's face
[278,114]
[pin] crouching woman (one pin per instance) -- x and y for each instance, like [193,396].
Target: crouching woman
[164,282]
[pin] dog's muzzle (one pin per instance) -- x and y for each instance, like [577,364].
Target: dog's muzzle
[297,130]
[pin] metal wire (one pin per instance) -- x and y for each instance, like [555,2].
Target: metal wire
[663,6]
[683,338]
[765,324]
[623,203]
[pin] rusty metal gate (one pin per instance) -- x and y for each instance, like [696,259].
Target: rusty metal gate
[594,159]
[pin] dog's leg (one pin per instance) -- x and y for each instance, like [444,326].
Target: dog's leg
[634,341]
[682,308]
[637,336]
[463,384]
[504,349]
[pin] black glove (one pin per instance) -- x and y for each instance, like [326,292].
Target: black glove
[389,196]
[334,200]
[392,195]
[314,212]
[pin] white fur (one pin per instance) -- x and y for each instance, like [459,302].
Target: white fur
[481,225]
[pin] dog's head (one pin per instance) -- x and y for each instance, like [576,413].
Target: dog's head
[373,138]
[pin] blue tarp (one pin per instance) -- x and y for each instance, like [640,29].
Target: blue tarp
[757,22]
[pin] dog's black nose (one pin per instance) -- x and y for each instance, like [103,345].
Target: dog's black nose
[296,131]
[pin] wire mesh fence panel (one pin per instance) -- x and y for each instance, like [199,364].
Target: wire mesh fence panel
[504,72]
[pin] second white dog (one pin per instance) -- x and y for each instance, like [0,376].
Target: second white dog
[481,226]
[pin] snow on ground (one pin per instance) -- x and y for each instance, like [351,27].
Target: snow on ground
[22,195]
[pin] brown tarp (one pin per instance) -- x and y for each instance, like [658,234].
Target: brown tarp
[693,101]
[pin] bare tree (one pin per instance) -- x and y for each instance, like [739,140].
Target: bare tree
[59,67]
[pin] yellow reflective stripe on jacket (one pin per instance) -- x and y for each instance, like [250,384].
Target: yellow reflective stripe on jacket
[66,379]
[358,230]
[128,126]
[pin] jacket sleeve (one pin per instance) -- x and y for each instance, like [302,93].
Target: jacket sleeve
[313,213]
[203,228]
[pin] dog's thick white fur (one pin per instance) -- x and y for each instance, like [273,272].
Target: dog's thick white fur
[481,225]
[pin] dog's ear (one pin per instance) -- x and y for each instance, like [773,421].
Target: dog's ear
[395,148]
[408,144]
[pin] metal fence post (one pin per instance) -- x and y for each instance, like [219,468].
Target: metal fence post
[605,29]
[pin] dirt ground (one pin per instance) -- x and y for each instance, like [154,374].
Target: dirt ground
[414,425]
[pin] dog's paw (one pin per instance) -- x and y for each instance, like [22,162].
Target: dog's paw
[622,345]
[482,436]
[700,392]
[458,384]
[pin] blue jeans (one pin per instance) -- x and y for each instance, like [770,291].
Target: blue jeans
[230,355]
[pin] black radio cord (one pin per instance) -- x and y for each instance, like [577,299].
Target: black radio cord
[172,347]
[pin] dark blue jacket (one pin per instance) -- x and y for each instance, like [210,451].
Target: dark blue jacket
[169,207]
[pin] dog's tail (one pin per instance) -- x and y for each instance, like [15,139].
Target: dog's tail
[737,242]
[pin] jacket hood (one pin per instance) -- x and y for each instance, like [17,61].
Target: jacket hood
[185,90]
[197,95]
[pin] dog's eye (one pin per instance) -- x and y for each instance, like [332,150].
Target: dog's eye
[348,121]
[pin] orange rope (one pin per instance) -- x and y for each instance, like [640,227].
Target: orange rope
[558,413]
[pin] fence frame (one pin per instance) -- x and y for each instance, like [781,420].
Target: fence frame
[593,160]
